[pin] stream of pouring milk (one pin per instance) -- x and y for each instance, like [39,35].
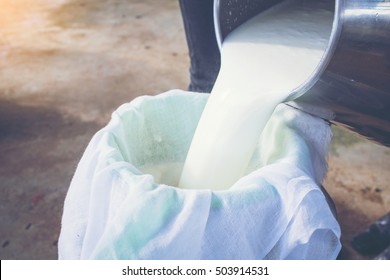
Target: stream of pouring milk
[262,62]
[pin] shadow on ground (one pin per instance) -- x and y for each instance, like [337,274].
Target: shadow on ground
[39,151]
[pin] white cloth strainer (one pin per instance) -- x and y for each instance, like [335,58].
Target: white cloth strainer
[277,211]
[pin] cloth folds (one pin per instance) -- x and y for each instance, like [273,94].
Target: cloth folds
[114,210]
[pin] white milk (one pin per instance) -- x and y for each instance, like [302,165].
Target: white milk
[167,173]
[262,62]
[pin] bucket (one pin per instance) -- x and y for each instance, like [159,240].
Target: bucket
[123,202]
[351,85]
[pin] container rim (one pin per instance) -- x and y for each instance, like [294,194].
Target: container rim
[323,63]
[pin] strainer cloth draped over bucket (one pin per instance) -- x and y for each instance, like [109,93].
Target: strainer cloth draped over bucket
[277,211]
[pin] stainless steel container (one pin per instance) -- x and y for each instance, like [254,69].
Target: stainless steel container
[351,86]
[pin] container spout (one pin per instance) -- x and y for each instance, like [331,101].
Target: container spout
[351,87]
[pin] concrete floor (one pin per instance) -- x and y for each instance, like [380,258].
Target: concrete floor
[65,65]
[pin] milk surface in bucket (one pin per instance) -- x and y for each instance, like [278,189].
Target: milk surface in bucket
[262,62]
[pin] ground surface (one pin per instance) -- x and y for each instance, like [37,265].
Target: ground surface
[65,65]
